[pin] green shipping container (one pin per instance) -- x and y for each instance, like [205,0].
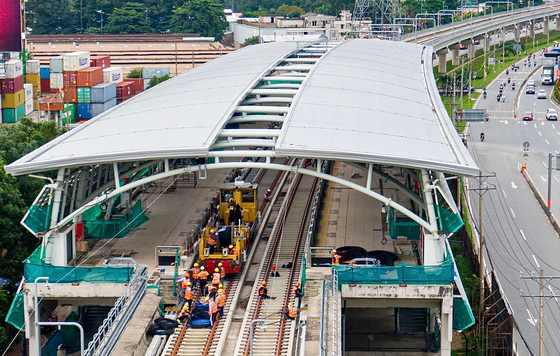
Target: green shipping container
[11,116]
[84,95]
[69,110]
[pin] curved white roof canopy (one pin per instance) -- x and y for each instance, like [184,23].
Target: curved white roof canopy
[366,101]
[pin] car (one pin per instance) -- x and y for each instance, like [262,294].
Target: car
[541,94]
[551,114]
[530,83]
[530,89]
[528,116]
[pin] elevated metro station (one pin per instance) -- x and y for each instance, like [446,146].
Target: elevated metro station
[371,106]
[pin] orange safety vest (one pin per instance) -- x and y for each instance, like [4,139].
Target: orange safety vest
[211,241]
[189,294]
[335,259]
[211,288]
[188,274]
[212,307]
[184,284]
[203,275]
[222,272]
[261,290]
[216,278]
[221,299]
[195,272]
[292,312]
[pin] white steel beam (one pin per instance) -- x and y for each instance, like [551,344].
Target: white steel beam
[244,143]
[263,109]
[249,133]
[268,100]
[252,118]
[260,91]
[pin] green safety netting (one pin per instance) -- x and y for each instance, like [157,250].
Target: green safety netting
[403,226]
[15,315]
[93,213]
[38,218]
[448,222]
[463,317]
[34,267]
[71,334]
[52,345]
[115,228]
[400,274]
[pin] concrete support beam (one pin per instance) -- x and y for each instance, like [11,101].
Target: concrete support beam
[455,54]
[442,60]
[545,26]
[446,326]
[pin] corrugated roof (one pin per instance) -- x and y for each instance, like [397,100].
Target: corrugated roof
[364,100]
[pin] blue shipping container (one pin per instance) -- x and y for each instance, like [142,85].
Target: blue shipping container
[56,64]
[98,108]
[45,73]
[148,73]
[101,93]
[84,111]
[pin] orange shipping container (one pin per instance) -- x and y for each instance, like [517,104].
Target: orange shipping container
[90,76]
[71,95]
[51,107]
[70,79]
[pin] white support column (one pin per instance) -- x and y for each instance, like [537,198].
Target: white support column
[116,175]
[545,26]
[433,247]
[369,176]
[455,54]
[442,60]
[446,325]
[52,235]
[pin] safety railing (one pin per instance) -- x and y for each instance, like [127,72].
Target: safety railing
[324,326]
[401,274]
[336,314]
[110,331]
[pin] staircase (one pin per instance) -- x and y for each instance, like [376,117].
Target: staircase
[94,316]
[411,320]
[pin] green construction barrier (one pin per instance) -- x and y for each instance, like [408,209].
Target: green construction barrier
[15,315]
[448,222]
[403,226]
[400,274]
[38,218]
[463,317]
[138,216]
[94,213]
[115,228]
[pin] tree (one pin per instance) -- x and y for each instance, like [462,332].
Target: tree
[156,80]
[251,41]
[135,73]
[132,18]
[51,17]
[289,11]
[200,16]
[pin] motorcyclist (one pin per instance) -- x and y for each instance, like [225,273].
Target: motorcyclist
[482,136]
[513,86]
[484,95]
[509,80]
[507,72]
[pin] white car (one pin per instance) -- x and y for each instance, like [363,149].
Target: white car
[551,114]
[541,94]
[530,83]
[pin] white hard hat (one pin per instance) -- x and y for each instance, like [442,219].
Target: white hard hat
[202,268]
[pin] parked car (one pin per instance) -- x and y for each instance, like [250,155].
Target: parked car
[551,114]
[541,94]
[530,89]
[528,116]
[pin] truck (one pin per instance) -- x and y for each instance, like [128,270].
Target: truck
[547,77]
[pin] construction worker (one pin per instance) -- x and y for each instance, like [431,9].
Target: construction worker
[216,277]
[212,310]
[297,290]
[189,295]
[267,195]
[221,301]
[188,275]
[212,240]
[232,250]
[203,278]
[195,272]
[222,270]
[184,314]
[212,290]
[262,291]
[335,257]
[291,312]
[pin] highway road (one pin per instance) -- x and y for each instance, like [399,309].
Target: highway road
[519,238]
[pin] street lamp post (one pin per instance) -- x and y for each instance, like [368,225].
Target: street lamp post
[256,321]
[101,12]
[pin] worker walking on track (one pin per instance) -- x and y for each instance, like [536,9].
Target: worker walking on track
[203,278]
[216,277]
[222,270]
[189,295]
[221,301]
[212,310]
[195,272]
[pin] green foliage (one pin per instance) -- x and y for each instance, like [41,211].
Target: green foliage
[251,41]
[135,73]
[289,11]
[132,18]
[156,80]
[200,16]
[254,13]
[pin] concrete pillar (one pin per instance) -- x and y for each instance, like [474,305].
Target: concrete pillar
[455,54]
[442,60]
[517,33]
[446,326]
[557,23]
[532,29]
[486,42]
[545,26]
[471,51]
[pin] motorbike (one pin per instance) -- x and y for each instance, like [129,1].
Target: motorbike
[484,95]
[482,136]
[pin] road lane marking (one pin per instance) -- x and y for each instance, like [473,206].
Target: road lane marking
[553,126]
[557,179]
[536,127]
[504,193]
[522,234]
[547,142]
[544,164]
[556,151]
[537,262]
[540,134]
[542,178]
[532,320]
[513,185]
[512,213]
[552,292]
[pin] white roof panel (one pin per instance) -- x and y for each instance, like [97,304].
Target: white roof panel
[369,100]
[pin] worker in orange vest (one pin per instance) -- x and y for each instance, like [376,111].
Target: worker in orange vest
[262,291]
[335,257]
[212,240]
[189,295]
[222,270]
[297,291]
[195,272]
[291,312]
[203,278]
[232,250]
[212,310]
[221,301]
[216,277]
[184,314]
[212,290]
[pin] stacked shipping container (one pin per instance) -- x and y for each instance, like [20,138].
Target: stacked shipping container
[13,94]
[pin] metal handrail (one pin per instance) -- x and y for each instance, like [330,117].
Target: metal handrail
[109,332]
[336,317]
[324,323]
[314,215]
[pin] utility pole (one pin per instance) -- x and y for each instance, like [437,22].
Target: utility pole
[462,67]
[550,168]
